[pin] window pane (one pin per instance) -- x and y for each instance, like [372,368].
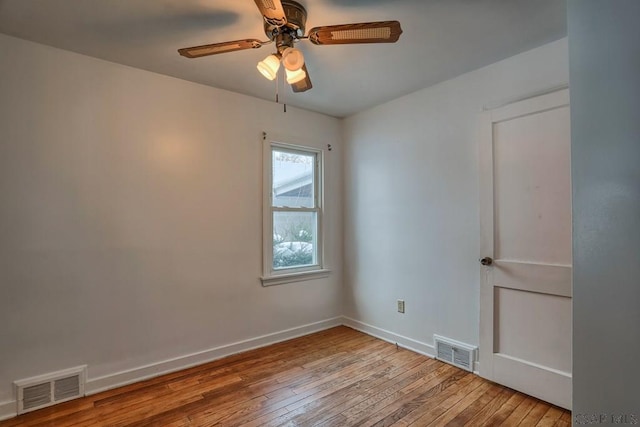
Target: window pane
[293,179]
[294,239]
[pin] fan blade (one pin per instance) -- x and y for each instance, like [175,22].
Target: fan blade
[367,32]
[216,48]
[272,11]
[303,85]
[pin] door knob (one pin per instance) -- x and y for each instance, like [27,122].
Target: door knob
[486,261]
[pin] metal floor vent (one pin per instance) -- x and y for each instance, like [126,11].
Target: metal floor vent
[49,389]
[454,352]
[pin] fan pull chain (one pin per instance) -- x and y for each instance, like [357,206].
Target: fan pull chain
[280,76]
[277,88]
[277,80]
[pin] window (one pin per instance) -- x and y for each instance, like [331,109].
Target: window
[292,220]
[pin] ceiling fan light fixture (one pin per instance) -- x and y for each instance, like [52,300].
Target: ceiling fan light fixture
[285,25]
[269,66]
[295,76]
[292,59]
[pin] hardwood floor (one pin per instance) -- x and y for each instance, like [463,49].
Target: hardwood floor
[337,377]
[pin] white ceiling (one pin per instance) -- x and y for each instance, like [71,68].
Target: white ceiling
[441,39]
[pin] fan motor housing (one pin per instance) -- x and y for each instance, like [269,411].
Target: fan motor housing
[296,20]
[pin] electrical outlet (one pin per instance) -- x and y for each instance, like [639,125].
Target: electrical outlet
[400,306]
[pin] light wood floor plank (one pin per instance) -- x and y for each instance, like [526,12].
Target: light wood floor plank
[443,416]
[520,412]
[412,399]
[505,410]
[336,377]
[331,405]
[550,418]
[423,412]
[564,421]
[535,415]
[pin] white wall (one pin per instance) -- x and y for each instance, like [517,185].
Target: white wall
[130,216]
[605,97]
[124,242]
[411,198]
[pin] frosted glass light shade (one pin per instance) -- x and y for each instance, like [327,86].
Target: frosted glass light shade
[292,59]
[269,67]
[295,76]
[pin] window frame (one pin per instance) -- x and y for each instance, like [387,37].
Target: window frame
[271,275]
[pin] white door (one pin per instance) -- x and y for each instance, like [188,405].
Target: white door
[525,216]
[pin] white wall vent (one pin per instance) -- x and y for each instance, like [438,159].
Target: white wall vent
[454,352]
[49,389]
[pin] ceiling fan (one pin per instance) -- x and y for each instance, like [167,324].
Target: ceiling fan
[284,25]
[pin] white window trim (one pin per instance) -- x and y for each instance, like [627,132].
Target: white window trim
[271,276]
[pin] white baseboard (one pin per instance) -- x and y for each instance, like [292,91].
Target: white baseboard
[383,334]
[119,379]
[8,409]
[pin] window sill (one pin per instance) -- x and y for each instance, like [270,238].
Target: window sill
[300,276]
